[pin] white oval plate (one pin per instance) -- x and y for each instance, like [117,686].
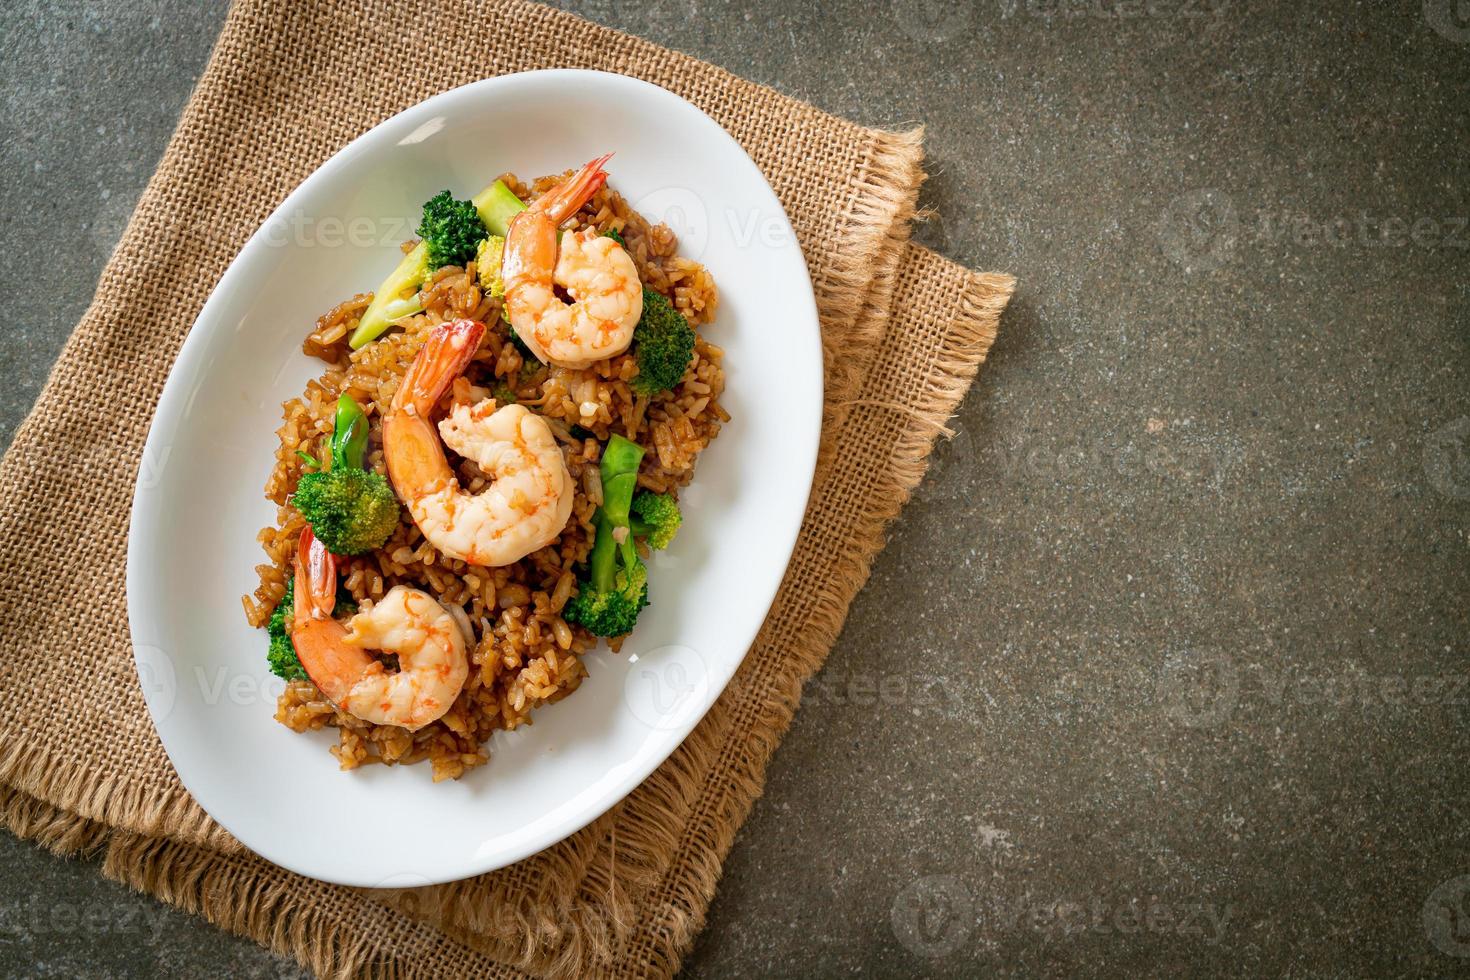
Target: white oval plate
[198,502]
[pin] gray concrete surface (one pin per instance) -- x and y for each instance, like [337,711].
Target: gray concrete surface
[1164,668]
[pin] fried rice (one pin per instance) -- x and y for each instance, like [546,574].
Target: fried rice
[524,653]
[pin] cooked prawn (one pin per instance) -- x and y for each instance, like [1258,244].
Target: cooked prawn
[530,497]
[430,645]
[600,277]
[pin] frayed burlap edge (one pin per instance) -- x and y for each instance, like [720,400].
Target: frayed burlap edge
[105,798]
[246,896]
[59,831]
[891,178]
[301,919]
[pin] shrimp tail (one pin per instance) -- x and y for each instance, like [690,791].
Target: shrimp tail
[316,578]
[563,200]
[317,638]
[445,355]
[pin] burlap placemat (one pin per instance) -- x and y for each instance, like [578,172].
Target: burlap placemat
[80,764]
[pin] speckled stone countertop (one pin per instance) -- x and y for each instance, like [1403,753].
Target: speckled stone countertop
[1164,667]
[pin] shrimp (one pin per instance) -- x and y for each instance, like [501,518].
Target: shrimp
[607,295]
[530,499]
[428,641]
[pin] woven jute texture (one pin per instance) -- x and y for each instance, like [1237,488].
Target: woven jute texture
[81,769]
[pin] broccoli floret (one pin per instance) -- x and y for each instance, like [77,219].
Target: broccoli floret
[451,229]
[609,602]
[616,590]
[281,656]
[351,510]
[663,342]
[616,236]
[487,264]
[656,517]
[503,394]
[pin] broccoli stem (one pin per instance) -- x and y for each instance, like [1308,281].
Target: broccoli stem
[619,467]
[602,563]
[497,204]
[619,470]
[409,275]
[349,434]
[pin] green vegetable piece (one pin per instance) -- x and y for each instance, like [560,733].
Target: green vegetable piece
[496,205]
[620,461]
[451,229]
[616,236]
[609,602]
[656,517]
[663,343]
[487,266]
[351,510]
[397,294]
[281,654]
[616,590]
[349,434]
